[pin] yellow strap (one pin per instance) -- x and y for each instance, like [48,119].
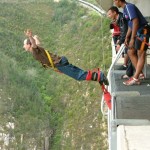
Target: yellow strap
[50,59]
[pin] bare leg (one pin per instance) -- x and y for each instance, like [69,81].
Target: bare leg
[126,58]
[133,56]
[140,63]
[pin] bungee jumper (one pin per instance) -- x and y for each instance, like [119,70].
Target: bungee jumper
[61,64]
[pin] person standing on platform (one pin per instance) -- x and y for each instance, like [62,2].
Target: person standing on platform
[136,38]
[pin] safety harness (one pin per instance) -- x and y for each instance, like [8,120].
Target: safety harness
[51,61]
[143,40]
[106,94]
[142,37]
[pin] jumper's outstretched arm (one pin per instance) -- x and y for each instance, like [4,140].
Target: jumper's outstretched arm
[28,33]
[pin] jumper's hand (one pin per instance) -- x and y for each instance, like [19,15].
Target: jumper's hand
[28,33]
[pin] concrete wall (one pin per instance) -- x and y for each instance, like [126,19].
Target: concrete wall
[143,5]
[106,4]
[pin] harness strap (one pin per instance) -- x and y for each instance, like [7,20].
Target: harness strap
[142,40]
[51,62]
[142,36]
[96,77]
[50,59]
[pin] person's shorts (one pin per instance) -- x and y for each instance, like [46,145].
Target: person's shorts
[142,40]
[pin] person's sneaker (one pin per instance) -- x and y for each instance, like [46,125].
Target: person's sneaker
[123,67]
[132,81]
[104,81]
[125,76]
[141,76]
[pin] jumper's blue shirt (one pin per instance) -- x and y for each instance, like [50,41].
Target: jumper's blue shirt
[130,12]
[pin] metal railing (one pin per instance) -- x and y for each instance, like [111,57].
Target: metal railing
[115,58]
[114,61]
[110,113]
[99,10]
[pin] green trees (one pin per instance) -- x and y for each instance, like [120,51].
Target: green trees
[42,104]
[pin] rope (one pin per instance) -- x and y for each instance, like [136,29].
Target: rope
[102,42]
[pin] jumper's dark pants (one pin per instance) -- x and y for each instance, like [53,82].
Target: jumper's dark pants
[78,74]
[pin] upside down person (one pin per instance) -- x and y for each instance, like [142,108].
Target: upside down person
[31,44]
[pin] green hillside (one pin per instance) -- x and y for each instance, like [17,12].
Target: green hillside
[49,109]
